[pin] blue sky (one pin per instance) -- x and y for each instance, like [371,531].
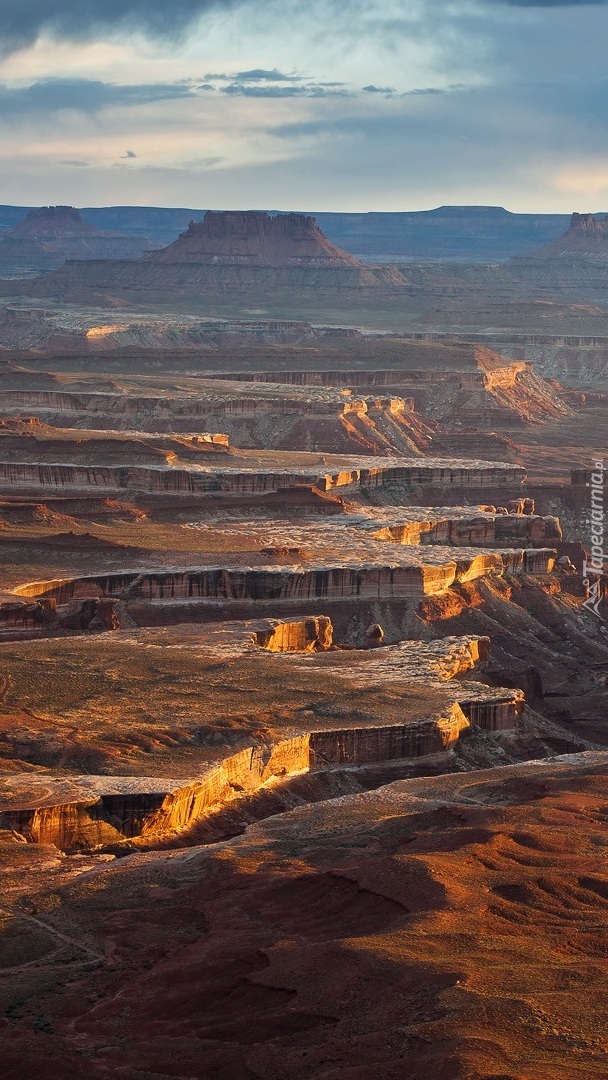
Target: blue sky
[329,105]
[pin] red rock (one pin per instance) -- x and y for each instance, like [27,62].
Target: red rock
[52,222]
[586,237]
[256,239]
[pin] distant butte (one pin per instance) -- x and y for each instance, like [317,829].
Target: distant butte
[246,254]
[53,223]
[586,237]
[254,238]
[48,235]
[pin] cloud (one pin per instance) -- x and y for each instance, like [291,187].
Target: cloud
[21,23]
[129,154]
[255,75]
[311,90]
[272,83]
[349,103]
[191,164]
[83,95]
[76,164]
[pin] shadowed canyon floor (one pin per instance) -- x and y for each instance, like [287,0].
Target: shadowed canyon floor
[449,926]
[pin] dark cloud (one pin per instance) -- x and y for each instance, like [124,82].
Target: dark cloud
[476,128]
[310,90]
[255,75]
[129,154]
[371,89]
[263,75]
[22,21]
[83,95]
[422,91]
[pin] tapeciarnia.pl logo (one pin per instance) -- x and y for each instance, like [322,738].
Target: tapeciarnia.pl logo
[594,568]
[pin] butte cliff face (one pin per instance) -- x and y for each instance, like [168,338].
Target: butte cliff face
[586,238]
[52,223]
[49,234]
[240,253]
[252,238]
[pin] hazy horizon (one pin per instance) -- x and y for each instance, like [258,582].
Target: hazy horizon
[82,207]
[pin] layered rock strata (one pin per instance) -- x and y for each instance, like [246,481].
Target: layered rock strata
[233,250]
[370,473]
[48,235]
[86,811]
[279,417]
[441,923]
[252,238]
[499,393]
[413,573]
[585,238]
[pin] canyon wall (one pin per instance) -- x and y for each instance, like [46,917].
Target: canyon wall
[106,810]
[296,582]
[428,474]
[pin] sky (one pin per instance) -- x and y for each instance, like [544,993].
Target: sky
[344,105]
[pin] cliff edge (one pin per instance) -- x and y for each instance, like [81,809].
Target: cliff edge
[254,238]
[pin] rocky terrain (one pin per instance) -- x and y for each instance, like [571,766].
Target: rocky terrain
[49,235]
[251,238]
[447,925]
[245,266]
[303,748]
[586,238]
[229,251]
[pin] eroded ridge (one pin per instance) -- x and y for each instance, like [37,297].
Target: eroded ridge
[360,553]
[409,573]
[76,812]
[174,480]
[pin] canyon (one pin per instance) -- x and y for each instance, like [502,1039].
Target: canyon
[303,744]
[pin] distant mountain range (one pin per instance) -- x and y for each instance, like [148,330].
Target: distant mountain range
[449,233]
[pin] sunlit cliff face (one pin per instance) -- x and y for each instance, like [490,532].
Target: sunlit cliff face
[334,106]
[102,331]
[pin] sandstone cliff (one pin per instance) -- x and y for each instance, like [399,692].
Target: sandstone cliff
[586,238]
[52,223]
[56,233]
[227,251]
[254,239]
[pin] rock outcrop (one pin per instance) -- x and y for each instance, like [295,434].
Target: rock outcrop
[252,238]
[408,573]
[86,811]
[50,234]
[493,391]
[238,251]
[586,238]
[443,924]
[258,417]
[51,223]
[370,473]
